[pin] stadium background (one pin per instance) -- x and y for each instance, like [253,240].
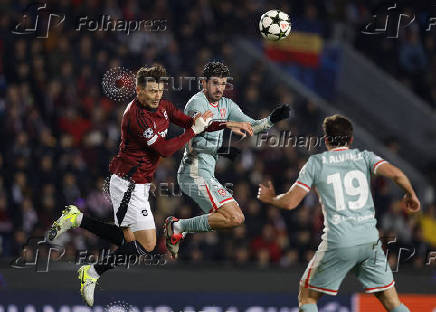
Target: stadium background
[59,132]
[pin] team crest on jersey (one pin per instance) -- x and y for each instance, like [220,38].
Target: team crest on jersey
[222,192]
[223,112]
[165,114]
[148,133]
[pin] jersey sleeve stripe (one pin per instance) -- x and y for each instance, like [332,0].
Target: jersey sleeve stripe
[378,164]
[224,200]
[303,186]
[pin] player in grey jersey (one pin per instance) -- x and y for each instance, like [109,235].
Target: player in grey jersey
[196,174]
[350,241]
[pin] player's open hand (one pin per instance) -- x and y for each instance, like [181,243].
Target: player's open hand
[241,128]
[266,192]
[412,202]
[205,115]
[201,121]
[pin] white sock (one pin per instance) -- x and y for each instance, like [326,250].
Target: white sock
[177,227]
[79,219]
[92,272]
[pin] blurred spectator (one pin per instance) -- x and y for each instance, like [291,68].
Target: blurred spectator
[428,225]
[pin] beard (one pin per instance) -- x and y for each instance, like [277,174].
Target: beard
[217,96]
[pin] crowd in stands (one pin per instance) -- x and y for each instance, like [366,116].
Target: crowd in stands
[59,131]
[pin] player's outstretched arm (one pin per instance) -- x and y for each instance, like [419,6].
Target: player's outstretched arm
[166,148]
[182,120]
[179,118]
[241,128]
[395,174]
[289,200]
[279,113]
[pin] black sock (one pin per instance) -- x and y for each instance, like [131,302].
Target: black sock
[109,232]
[127,249]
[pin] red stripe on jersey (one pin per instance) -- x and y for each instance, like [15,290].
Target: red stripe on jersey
[325,289]
[340,149]
[377,163]
[304,184]
[211,199]
[226,200]
[383,287]
[306,284]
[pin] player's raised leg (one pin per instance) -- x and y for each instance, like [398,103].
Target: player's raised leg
[72,217]
[221,209]
[136,244]
[227,216]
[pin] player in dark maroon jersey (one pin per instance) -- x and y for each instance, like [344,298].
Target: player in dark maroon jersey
[143,141]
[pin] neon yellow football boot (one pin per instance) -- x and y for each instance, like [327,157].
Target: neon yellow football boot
[87,284]
[68,220]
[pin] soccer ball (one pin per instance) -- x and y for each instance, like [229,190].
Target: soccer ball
[275,25]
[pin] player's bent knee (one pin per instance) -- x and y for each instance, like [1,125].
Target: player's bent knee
[143,247]
[149,246]
[147,239]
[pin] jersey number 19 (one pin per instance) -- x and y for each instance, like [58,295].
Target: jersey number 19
[354,184]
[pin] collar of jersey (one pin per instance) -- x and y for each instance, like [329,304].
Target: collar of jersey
[342,148]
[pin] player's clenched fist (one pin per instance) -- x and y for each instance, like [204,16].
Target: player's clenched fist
[266,192]
[201,121]
[412,202]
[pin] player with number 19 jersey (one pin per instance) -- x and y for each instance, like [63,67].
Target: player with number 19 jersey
[350,242]
[341,177]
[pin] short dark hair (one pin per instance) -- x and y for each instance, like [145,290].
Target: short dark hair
[155,72]
[215,69]
[338,130]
